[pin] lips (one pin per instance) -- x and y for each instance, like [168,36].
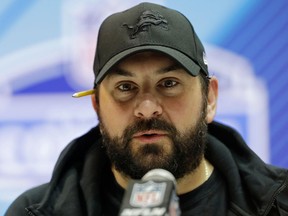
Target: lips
[149,136]
[149,133]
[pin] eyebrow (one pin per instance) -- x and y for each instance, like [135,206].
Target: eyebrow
[123,72]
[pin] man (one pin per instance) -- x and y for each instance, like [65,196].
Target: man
[156,104]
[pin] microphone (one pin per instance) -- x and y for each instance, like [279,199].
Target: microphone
[153,195]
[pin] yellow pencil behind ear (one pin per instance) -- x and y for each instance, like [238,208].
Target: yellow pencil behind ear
[83,93]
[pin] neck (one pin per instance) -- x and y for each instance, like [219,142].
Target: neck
[196,178]
[184,185]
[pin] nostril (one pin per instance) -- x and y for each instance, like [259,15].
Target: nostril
[147,109]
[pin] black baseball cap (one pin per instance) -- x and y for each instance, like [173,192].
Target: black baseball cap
[148,27]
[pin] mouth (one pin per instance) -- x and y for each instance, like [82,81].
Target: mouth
[150,136]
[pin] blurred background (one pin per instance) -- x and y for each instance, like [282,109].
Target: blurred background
[46,54]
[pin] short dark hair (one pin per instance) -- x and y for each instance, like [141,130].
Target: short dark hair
[205,81]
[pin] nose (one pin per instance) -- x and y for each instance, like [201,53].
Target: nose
[147,107]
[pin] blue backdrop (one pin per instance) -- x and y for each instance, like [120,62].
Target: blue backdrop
[46,53]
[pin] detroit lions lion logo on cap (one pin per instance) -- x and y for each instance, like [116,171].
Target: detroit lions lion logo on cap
[146,20]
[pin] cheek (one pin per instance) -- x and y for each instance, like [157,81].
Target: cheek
[114,117]
[184,112]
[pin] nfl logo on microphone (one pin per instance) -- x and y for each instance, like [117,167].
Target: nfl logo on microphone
[150,198]
[149,194]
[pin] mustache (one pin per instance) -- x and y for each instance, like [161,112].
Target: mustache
[149,124]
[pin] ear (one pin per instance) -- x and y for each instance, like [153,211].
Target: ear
[94,103]
[212,99]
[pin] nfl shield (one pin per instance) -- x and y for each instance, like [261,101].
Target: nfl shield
[148,194]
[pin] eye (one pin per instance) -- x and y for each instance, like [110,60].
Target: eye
[125,91]
[125,87]
[169,83]
[171,87]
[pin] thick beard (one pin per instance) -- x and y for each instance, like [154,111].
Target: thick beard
[187,148]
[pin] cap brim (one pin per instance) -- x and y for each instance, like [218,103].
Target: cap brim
[184,60]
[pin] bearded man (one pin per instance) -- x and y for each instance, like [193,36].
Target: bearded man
[156,104]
